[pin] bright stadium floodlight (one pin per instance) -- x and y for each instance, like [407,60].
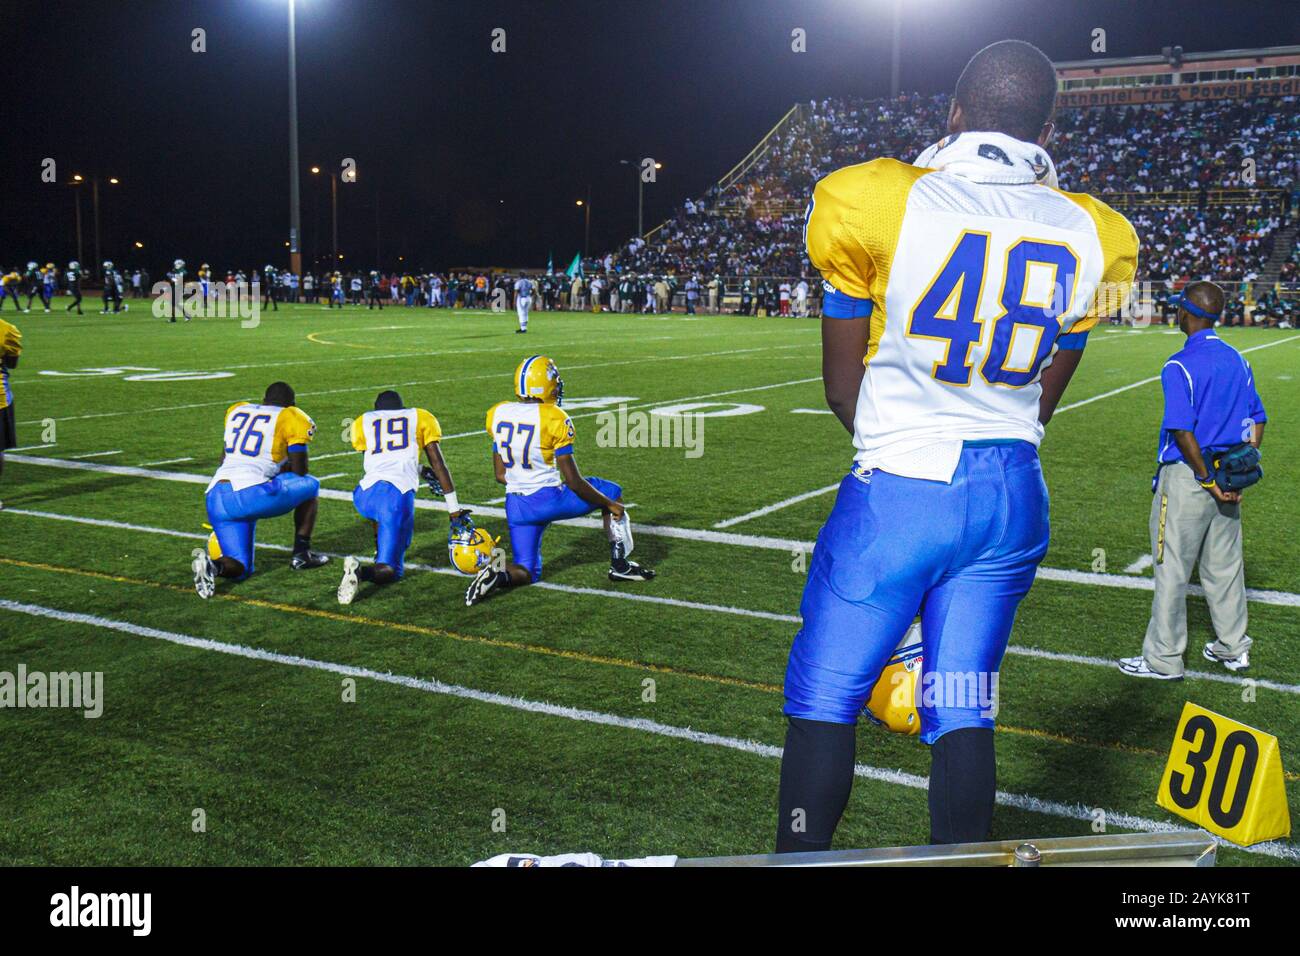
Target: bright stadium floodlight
[315,169]
[76,177]
[114,180]
[139,245]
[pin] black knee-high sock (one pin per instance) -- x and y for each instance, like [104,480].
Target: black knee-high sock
[963,782]
[816,777]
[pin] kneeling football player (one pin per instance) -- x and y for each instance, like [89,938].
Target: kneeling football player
[392,437]
[263,474]
[532,455]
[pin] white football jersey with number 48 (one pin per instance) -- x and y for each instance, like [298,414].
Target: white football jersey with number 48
[976,273]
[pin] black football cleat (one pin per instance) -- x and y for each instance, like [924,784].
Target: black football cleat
[483,584]
[633,572]
[309,559]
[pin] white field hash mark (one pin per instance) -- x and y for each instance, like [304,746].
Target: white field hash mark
[1275,848]
[1014,649]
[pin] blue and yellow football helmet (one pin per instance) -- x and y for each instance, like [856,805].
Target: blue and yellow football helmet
[539,377]
[470,550]
[892,703]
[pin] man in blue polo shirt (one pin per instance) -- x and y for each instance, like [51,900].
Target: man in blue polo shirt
[1211,406]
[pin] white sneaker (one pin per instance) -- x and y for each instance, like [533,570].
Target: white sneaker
[348,586]
[1138,667]
[205,573]
[1232,664]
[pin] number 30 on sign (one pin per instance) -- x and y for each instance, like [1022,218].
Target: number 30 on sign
[1226,777]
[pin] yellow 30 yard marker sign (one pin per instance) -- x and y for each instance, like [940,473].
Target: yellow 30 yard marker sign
[1226,777]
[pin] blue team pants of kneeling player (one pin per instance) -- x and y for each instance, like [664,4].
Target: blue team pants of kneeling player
[528,516]
[394,513]
[234,514]
[962,555]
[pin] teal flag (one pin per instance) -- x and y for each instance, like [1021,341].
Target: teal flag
[575,267]
[550,264]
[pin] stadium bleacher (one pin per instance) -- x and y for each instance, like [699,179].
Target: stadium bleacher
[1200,208]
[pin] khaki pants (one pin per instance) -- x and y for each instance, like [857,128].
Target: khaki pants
[1189,527]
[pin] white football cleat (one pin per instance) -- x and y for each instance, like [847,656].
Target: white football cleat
[350,583]
[205,573]
[1138,667]
[1232,664]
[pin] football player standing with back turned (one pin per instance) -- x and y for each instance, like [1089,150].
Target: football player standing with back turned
[532,455]
[959,293]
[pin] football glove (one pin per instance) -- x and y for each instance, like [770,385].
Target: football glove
[431,480]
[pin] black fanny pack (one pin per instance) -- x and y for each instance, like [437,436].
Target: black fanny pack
[1236,468]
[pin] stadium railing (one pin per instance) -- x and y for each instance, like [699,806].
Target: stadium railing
[1177,848]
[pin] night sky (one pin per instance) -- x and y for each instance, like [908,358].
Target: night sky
[465,156]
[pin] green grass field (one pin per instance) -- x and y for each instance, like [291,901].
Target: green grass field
[562,745]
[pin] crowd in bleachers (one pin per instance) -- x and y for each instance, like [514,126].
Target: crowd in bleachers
[754,226]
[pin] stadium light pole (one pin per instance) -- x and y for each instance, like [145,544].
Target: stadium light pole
[334,208]
[295,213]
[640,191]
[77,180]
[586,229]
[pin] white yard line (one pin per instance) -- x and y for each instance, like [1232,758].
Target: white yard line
[1140,565]
[94,454]
[784,503]
[1156,378]
[32,447]
[166,461]
[337,474]
[709,536]
[334,454]
[811,411]
[624,595]
[1275,848]
[419,382]
[668,401]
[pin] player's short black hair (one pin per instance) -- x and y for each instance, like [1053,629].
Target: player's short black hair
[280,393]
[1205,295]
[1008,87]
[388,401]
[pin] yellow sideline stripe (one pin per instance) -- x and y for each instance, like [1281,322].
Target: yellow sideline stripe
[581,656]
[408,628]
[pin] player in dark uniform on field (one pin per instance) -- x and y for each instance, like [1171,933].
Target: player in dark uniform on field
[112,290]
[74,286]
[372,291]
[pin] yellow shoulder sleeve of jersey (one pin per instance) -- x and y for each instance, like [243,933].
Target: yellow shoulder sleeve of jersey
[491,413]
[359,433]
[231,409]
[853,224]
[294,427]
[557,428]
[11,340]
[427,428]
[1119,251]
